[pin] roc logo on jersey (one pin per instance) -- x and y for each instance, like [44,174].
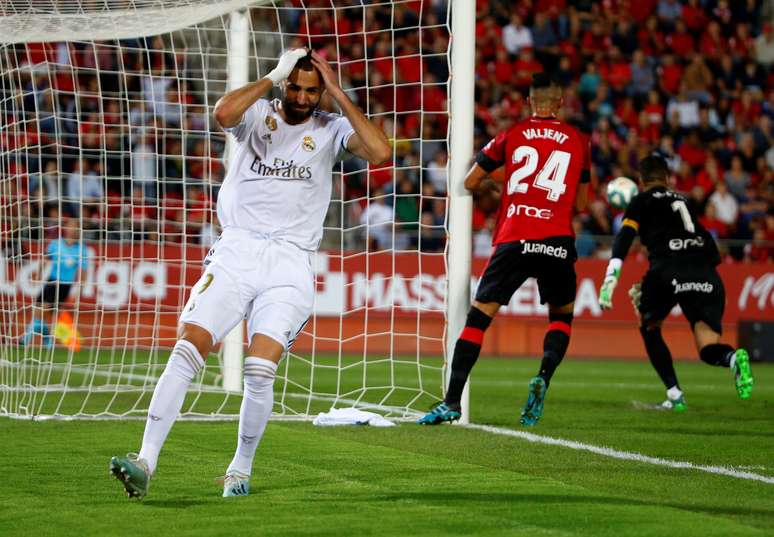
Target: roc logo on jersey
[308,143]
[620,192]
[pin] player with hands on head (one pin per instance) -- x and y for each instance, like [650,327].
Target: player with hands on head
[547,165]
[682,256]
[271,206]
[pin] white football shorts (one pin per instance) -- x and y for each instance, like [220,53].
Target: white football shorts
[268,281]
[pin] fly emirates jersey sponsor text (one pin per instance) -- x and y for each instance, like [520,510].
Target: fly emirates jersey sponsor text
[544,160]
[279,183]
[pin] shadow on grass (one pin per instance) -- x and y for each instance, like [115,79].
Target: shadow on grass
[176,503]
[467,498]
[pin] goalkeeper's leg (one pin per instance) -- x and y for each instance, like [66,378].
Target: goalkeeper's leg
[184,363]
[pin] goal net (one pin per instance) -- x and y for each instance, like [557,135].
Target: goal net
[110,166]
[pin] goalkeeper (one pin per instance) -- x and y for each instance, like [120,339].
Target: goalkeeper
[682,256]
[271,206]
[68,259]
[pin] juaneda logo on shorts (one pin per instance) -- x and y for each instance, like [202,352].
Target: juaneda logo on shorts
[540,248]
[696,287]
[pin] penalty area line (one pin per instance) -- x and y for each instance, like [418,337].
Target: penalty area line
[622,455]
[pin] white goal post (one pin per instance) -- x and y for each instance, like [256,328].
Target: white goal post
[106,129]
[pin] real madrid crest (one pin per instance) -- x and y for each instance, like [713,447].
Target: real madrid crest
[271,123]
[308,143]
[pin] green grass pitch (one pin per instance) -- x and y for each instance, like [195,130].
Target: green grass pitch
[408,480]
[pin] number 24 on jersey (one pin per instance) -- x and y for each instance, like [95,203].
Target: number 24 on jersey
[550,177]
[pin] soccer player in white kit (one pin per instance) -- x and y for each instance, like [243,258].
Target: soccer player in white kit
[272,205]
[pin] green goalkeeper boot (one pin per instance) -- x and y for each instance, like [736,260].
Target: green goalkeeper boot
[742,374]
[133,473]
[533,410]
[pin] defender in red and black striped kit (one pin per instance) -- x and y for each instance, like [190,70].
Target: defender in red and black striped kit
[547,170]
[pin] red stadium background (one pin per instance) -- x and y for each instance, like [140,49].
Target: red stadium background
[131,296]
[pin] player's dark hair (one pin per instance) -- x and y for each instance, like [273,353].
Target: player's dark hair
[542,80]
[305,63]
[653,169]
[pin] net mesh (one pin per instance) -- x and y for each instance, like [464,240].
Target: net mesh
[109,143]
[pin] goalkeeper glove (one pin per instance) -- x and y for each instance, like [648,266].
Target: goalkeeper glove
[608,285]
[285,65]
[636,294]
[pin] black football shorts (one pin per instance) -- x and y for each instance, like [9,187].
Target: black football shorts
[54,293]
[551,261]
[697,289]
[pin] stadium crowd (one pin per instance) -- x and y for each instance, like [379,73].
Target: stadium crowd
[119,133]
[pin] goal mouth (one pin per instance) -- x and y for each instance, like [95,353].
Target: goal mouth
[106,128]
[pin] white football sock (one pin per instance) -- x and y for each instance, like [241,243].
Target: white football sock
[674,393]
[256,408]
[183,365]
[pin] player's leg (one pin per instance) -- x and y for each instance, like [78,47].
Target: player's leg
[276,317]
[656,300]
[704,309]
[556,340]
[213,309]
[38,325]
[260,369]
[500,280]
[557,283]
[466,352]
[185,362]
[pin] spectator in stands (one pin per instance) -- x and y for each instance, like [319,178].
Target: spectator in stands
[84,189]
[737,180]
[437,174]
[516,36]
[697,79]
[686,109]
[642,79]
[726,206]
[378,221]
[764,46]
[669,11]
[144,169]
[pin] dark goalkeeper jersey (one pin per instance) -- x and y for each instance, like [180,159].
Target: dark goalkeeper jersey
[669,230]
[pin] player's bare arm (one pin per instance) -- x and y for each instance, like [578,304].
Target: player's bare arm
[478,180]
[231,107]
[582,196]
[368,142]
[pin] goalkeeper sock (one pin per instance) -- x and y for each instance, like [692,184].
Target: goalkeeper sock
[466,353]
[256,408]
[555,344]
[719,354]
[183,365]
[659,356]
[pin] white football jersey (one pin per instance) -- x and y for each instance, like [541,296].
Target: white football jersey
[279,183]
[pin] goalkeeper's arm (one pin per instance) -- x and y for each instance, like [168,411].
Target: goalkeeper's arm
[231,107]
[623,241]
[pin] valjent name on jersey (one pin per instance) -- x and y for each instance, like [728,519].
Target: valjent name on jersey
[545,133]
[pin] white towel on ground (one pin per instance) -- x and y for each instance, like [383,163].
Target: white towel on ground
[351,416]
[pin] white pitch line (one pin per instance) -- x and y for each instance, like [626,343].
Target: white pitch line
[622,455]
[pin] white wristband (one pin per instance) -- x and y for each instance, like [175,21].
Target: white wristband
[614,267]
